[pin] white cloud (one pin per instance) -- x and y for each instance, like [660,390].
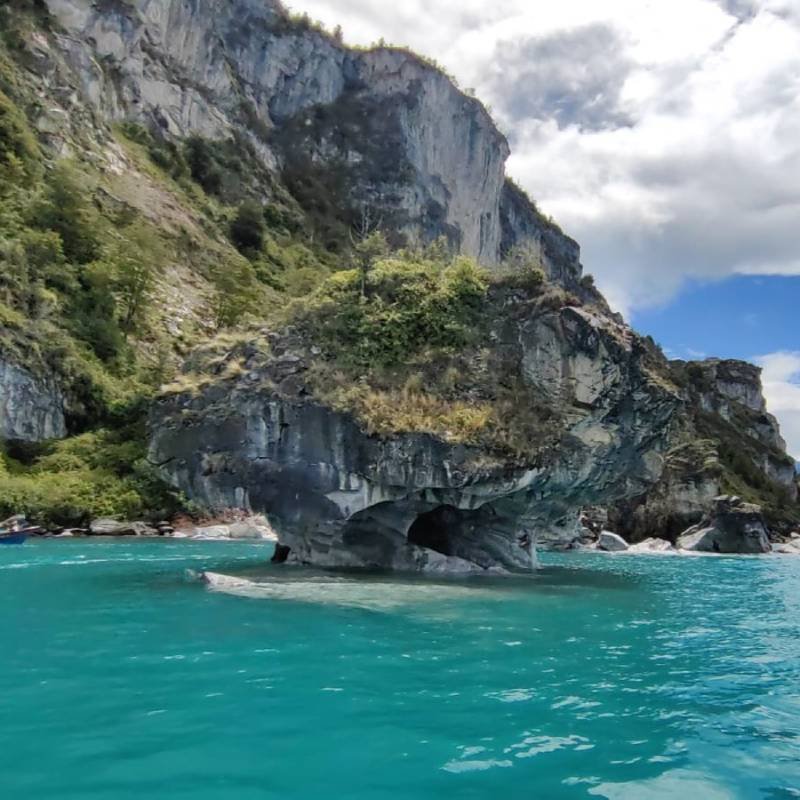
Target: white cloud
[781,378]
[671,150]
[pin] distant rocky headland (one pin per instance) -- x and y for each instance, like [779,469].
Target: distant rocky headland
[248,267]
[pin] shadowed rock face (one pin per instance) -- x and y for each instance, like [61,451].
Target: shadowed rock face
[732,527]
[338,497]
[31,407]
[435,167]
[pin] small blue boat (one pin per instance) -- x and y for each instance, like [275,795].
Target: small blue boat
[15,537]
[16,530]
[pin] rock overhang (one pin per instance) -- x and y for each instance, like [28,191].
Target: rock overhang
[324,480]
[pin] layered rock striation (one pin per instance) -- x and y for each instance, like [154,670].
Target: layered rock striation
[340,497]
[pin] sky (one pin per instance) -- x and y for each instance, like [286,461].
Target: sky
[664,135]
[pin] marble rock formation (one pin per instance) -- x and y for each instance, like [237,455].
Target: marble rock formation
[339,497]
[732,527]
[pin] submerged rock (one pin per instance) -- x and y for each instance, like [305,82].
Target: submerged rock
[732,527]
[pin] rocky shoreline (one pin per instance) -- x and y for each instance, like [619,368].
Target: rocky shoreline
[243,528]
[731,527]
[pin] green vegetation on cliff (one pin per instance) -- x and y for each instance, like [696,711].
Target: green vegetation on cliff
[118,260]
[401,307]
[111,267]
[405,345]
[103,473]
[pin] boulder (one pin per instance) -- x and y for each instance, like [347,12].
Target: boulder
[731,527]
[213,532]
[653,546]
[113,527]
[593,520]
[70,533]
[612,542]
[790,548]
[253,528]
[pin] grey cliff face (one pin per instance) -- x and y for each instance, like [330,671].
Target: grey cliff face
[337,496]
[523,225]
[31,407]
[725,429]
[435,168]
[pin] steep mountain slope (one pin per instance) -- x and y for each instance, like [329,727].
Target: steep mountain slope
[177,170]
[347,129]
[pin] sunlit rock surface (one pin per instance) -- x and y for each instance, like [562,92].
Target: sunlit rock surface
[390,130]
[725,436]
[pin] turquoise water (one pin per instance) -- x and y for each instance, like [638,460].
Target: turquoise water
[618,677]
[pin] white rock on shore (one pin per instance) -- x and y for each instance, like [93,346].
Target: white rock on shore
[612,543]
[609,542]
[255,528]
[652,546]
[113,527]
[790,548]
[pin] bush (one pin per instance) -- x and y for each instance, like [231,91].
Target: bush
[238,292]
[523,269]
[163,153]
[134,263]
[92,316]
[247,228]
[406,306]
[18,148]
[94,475]
[66,211]
[202,164]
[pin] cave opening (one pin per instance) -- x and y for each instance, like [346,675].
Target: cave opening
[436,530]
[281,554]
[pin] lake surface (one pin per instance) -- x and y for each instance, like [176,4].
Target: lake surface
[628,677]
